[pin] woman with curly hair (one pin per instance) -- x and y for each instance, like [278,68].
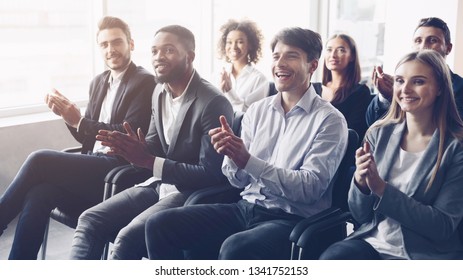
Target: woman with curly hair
[240,44]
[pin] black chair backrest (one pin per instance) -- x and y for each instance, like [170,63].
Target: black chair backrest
[236,126]
[272,89]
[345,172]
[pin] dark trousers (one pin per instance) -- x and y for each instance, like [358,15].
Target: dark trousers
[48,179]
[120,218]
[351,249]
[241,231]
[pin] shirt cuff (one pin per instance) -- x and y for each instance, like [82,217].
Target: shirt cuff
[78,125]
[158,166]
[255,167]
[383,102]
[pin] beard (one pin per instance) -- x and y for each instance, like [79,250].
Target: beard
[176,73]
[124,62]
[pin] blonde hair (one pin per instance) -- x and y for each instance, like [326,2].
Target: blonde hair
[445,114]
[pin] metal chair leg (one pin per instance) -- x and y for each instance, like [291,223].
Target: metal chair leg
[43,254]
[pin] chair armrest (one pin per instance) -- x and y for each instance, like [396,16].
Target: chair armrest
[74,150]
[302,225]
[216,194]
[127,177]
[108,186]
[309,241]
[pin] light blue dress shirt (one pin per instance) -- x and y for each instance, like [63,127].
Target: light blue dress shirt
[294,156]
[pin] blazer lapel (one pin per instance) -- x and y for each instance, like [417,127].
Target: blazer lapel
[121,90]
[158,118]
[391,151]
[103,86]
[425,166]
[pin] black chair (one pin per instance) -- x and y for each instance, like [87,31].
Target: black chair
[272,89]
[313,235]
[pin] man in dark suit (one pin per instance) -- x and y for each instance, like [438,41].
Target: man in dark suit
[177,149]
[431,33]
[50,178]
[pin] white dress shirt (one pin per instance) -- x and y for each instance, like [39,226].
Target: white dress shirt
[294,156]
[250,86]
[107,106]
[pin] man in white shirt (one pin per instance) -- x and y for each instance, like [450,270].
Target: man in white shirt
[76,181]
[290,147]
[177,149]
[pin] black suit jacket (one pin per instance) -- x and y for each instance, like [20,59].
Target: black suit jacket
[191,160]
[132,104]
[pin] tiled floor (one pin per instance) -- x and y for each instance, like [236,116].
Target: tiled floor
[59,241]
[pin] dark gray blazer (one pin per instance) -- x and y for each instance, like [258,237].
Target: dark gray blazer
[191,160]
[429,219]
[132,104]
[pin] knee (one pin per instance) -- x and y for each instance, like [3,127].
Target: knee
[135,230]
[336,251]
[89,221]
[158,223]
[40,156]
[235,248]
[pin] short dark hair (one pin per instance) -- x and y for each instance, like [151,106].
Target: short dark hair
[252,32]
[185,36]
[307,40]
[437,23]
[109,22]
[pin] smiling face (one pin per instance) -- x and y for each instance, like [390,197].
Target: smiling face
[337,54]
[415,88]
[290,68]
[237,46]
[170,59]
[115,48]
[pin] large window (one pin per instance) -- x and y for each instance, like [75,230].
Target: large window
[51,43]
[44,44]
[364,21]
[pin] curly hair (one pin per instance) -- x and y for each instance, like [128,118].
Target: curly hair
[252,32]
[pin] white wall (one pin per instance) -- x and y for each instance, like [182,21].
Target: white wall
[402,18]
[18,141]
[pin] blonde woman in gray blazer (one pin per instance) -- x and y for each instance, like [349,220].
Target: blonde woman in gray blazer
[407,190]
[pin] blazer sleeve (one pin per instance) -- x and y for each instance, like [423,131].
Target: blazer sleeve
[374,111]
[207,172]
[360,204]
[439,219]
[135,108]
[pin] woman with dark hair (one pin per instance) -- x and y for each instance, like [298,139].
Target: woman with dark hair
[240,44]
[340,82]
[406,193]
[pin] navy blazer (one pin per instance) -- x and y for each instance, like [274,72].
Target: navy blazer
[429,219]
[191,160]
[132,105]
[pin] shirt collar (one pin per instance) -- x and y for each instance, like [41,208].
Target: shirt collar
[305,103]
[117,78]
[166,88]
